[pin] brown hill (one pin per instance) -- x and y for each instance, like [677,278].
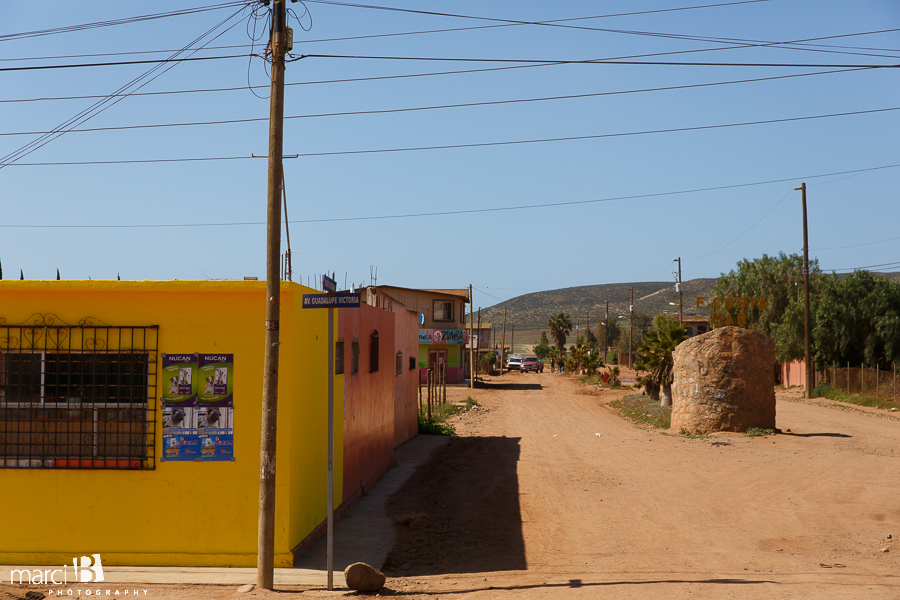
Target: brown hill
[531,311]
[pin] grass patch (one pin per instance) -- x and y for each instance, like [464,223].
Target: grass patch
[431,427]
[694,436]
[826,391]
[590,379]
[439,413]
[757,432]
[644,410]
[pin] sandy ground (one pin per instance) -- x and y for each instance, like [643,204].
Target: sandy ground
[549,493]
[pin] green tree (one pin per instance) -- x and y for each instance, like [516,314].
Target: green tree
[857,320]
[611,332]
[544,339]
[778,279]
[560,326]
[655,355]
[542,350]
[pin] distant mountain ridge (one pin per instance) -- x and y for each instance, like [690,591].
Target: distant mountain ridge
[531,311]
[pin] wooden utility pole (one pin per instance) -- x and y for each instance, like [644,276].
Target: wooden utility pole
[680,298]
[606,333]
[630,328]
[503,344]
[479,334]
[265,565]
[471,341]
[808,357]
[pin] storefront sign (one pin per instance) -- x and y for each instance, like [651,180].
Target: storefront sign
[443,336]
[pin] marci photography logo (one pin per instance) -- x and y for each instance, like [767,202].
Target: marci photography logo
[89,571]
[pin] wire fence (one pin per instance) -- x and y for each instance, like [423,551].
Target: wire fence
[864,381]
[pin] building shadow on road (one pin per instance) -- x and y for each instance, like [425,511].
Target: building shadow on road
[487,385]
[807,435]
[459,513]
[578,583]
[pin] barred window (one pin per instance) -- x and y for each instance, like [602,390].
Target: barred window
[399,369]
[77,395]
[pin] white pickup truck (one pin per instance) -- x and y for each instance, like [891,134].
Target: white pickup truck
[514,362]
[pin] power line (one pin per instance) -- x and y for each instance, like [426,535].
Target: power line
[489,144]
[453,212]
[121,63]
[123,21]
[890,264]
[442,106]
[857,245]
[777,204]
[602,62]
[101,105]
[619,31]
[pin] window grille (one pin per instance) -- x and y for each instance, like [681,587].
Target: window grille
[77,396]
[339,357]
[399,369]
[354,357]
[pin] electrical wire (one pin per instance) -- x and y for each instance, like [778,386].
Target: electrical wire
[106,103]
[451,212]
[619,31]
[123,21]
[857,245]
[437,107]
[889,265]
[120,63]
[777,204]
[479,144]
[602,62]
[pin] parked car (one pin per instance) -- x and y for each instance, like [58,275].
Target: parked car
[513,362]
[532,363]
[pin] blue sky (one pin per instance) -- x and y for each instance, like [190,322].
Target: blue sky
[628,227]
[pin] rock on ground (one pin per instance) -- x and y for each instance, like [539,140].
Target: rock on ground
[363,578]
[724,381]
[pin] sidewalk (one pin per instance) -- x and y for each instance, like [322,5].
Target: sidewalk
[365,533]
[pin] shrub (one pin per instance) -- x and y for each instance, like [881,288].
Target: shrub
[612,357]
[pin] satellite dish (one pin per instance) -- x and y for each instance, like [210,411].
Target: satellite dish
[421,318]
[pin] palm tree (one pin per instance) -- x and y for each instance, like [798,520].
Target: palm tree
[560,326]
[655,355]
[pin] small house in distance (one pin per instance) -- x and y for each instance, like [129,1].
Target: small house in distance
[442,325]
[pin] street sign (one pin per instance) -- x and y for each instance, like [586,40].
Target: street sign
[329,284]
[344,300]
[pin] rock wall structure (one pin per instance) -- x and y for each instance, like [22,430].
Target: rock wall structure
[724,381]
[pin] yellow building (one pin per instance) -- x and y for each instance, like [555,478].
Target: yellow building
[82,465]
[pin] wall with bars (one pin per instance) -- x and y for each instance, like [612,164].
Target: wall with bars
[181,513]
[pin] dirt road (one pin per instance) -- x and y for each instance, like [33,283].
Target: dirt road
[531,502]
[549,493]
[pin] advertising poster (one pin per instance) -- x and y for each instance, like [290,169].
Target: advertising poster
[179,407]
[215,406]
